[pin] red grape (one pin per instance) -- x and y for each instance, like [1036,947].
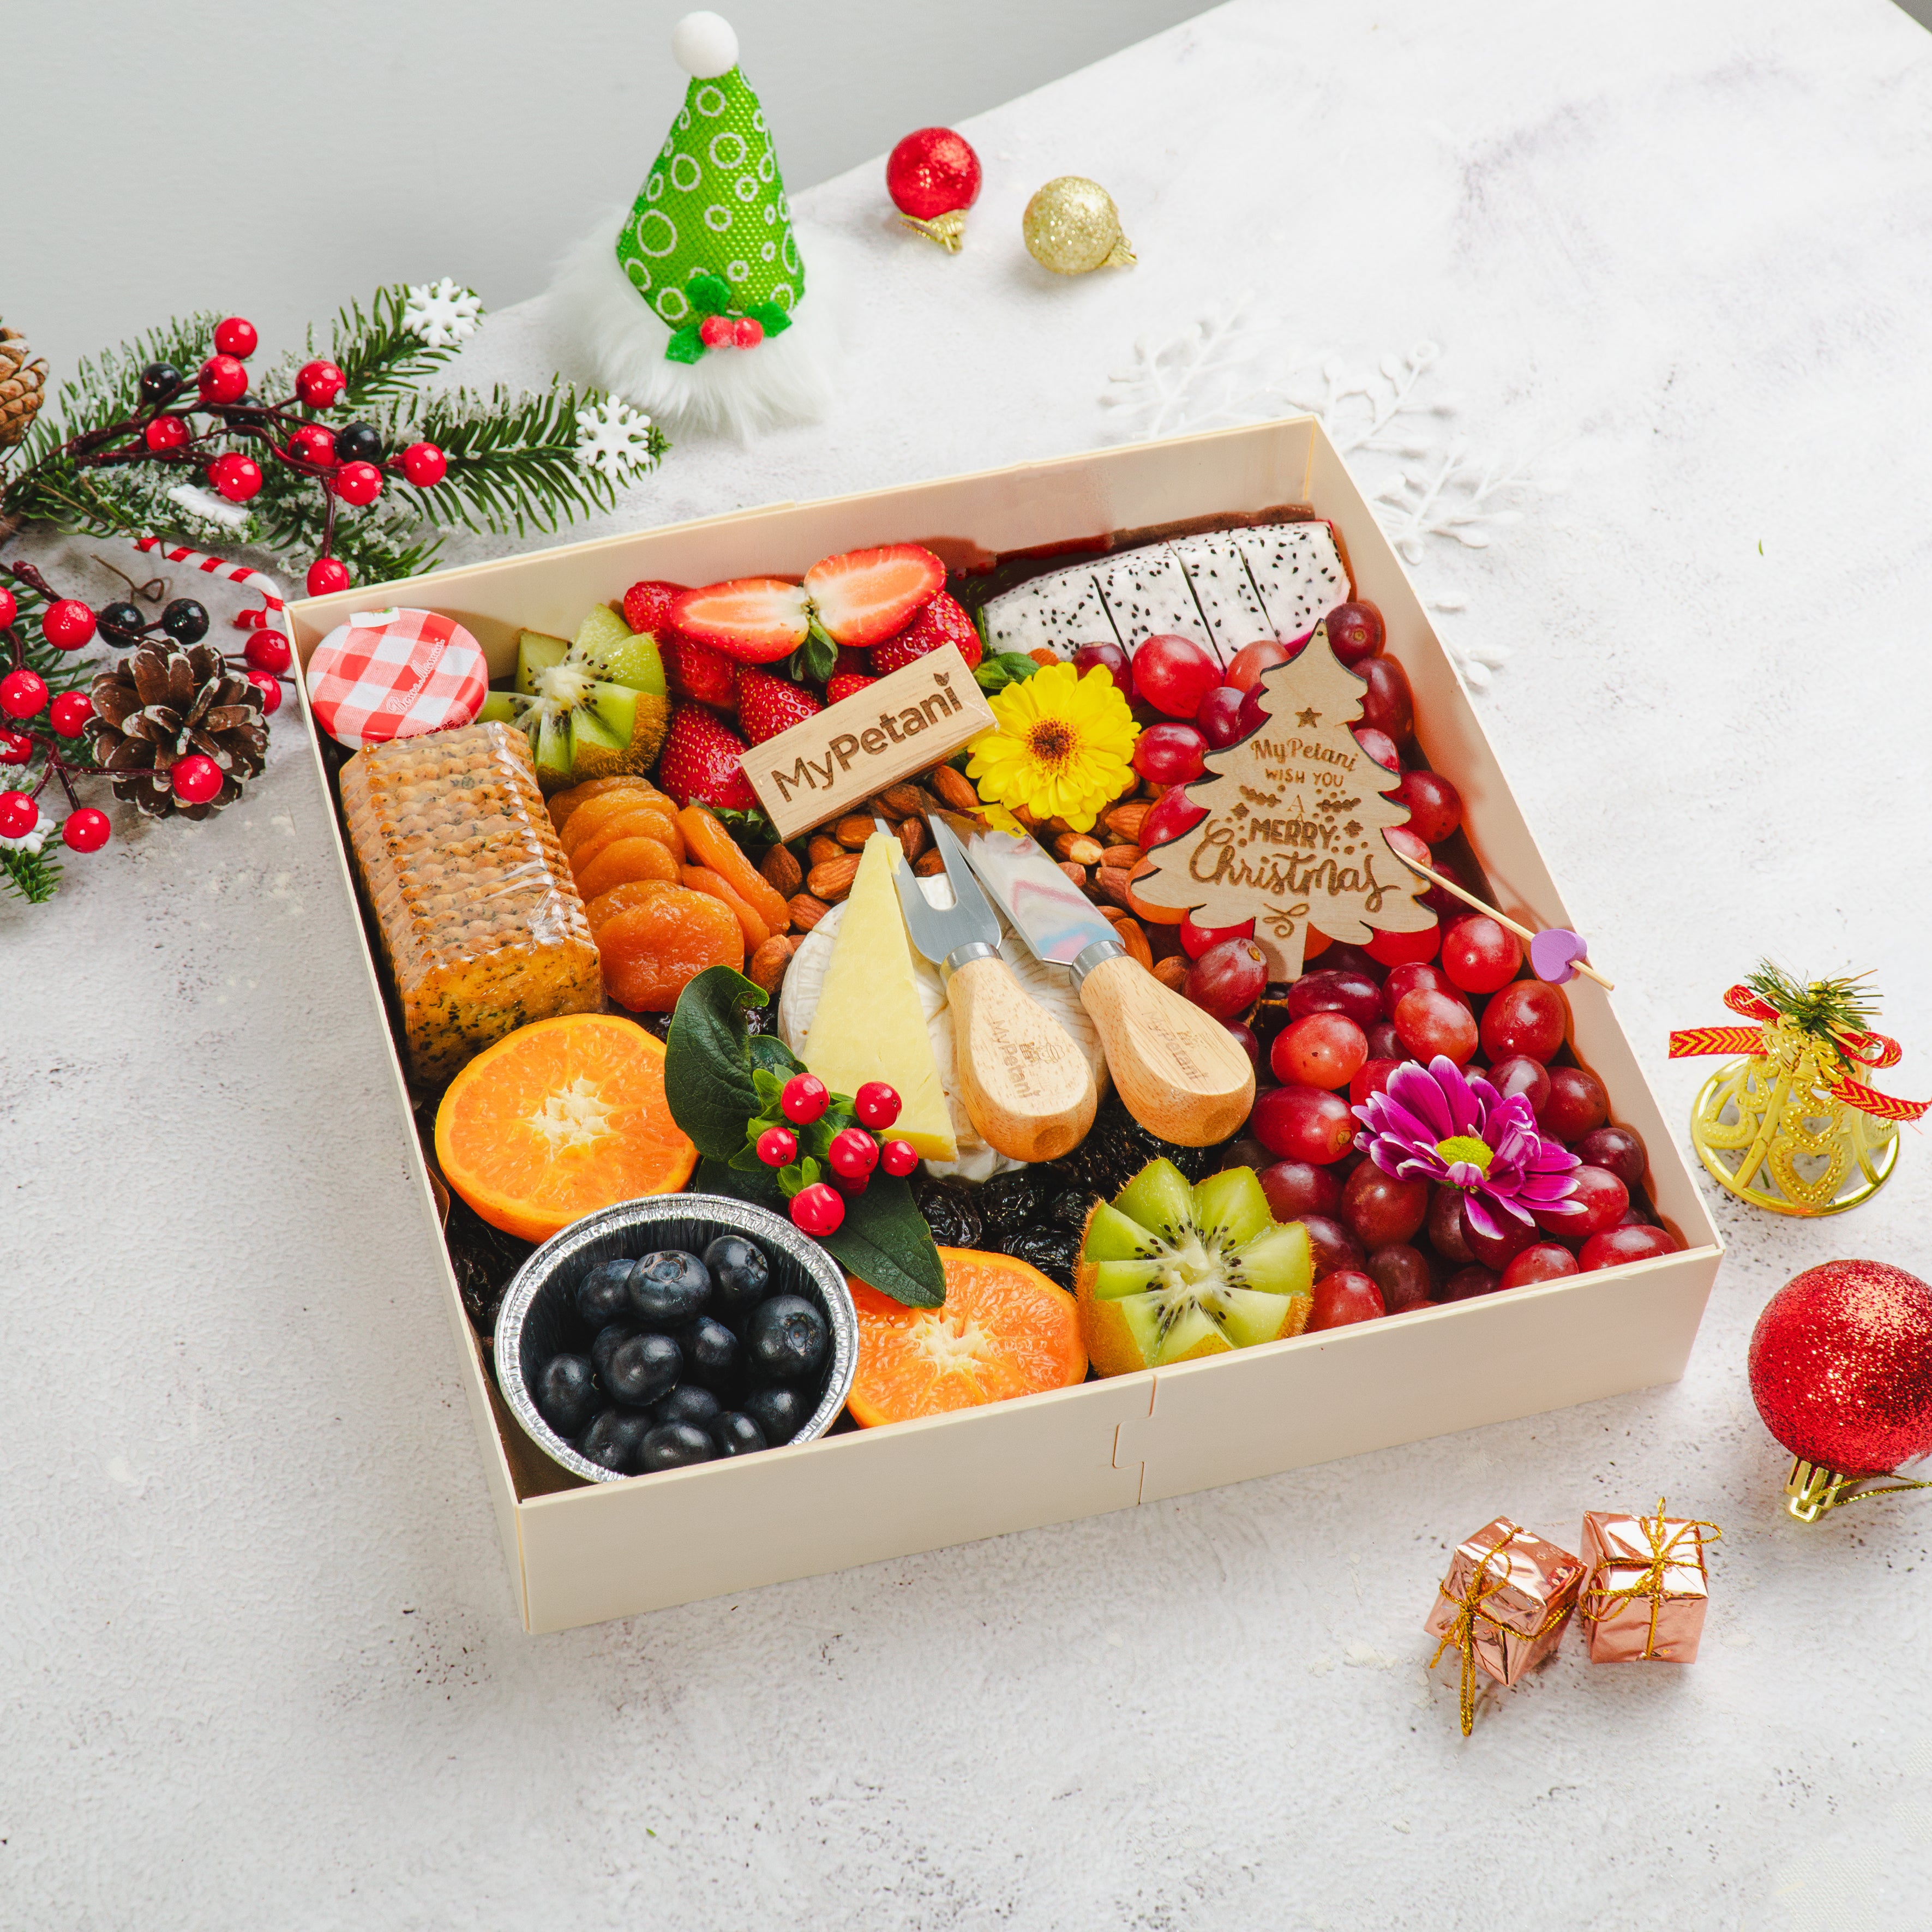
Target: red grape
[1346,1296]
[1303,1124]
[1619,1150]
[1412,976]
[1254,712]
[1333,991]
[1518,1075]
[1331,1246]
[1372,1077]
[1244,1038]
[1196,940]
[1219,717]
[1527,1017]
[1435,806]
[1619,1245]
[1246,1152]
[1497,1251]
[1445,1225]
[1384,1043]
[1228,979]
[1602,1197]
[1170,754]
[1541,1260]
[1380,746]
[1468,1282]
[1387,704]
[1398,948]
[1428,1024]
[1402,1273]
[1382,1209]
[1577,1104]
[1355,631]
[1296,1189]
[1480,955]
[1318,1050]
[1245,666]
[1174,673]
[1173,814]
[1112,659]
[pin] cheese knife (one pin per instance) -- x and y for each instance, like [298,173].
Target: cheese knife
[1029,1089]
[1179,1071]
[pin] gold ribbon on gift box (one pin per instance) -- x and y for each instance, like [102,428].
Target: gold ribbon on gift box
[1649,1584]
[1469,1606]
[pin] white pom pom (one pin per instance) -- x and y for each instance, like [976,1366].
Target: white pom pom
[704,45]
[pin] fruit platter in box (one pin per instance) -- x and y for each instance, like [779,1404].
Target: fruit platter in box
[1051,967]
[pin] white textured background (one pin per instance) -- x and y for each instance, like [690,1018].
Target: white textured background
[259,1662]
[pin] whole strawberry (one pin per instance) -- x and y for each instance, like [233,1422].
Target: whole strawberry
[768,705]
[647,605]
[700,760]
[698,671]
[942,621]
[845,684]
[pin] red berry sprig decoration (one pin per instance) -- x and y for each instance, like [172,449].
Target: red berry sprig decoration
[805,1132]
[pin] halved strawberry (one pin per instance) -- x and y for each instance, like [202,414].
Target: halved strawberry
[768,705]
[866,594]
[700,760]
[647,605]
[845,685]
[754,620]
[692,670]
[944,621]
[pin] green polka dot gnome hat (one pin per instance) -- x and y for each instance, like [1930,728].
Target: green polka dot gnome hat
[696,311]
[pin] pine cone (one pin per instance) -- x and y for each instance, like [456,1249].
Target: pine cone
[21,381]
[161,704]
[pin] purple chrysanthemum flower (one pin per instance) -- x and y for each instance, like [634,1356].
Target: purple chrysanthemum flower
[1435,1123]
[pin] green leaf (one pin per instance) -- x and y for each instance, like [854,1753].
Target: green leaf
[814,660]
[761,1185]
[767,1083]
[686,346]
[883,1239]
[711,295]
[769,317]
[996,673]
[770,1052]
[708,1081]
[748,827]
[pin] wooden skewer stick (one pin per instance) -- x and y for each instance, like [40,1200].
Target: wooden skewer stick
[1522,932]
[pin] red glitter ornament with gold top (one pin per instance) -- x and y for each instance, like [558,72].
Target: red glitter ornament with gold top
[933,177]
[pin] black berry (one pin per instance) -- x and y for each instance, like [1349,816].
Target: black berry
[185,621]
[668,1287]
[736,1434]
[122,623]
[357,442]
[675,1445]
[566,1395]
[159,381]
[786,1337]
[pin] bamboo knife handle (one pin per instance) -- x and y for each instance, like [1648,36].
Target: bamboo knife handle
[1178,1070]
[1028,1088]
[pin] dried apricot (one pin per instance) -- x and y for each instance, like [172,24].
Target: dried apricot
[596,812]
[702,879]
[627,858]
[621,898]
[565,803]
[651,951]
[641,823]
[708,844]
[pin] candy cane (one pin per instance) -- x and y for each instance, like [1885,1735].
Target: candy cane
[263,585]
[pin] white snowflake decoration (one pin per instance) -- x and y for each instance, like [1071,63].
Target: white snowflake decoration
[30,842]
[615,438]
[441,314]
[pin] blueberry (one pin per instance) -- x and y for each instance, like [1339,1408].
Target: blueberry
[687,1403]
[786,1336]
[565,1395]
[615,1441]
[185,621]
[641,1369]
[780,1412]
[736,1434]
[741,1272]
[675,1445]
[711,1350]
[668,1286]
[602,1349]
[602,1296]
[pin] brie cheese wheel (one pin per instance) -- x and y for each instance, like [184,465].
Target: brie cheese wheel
[1052,986]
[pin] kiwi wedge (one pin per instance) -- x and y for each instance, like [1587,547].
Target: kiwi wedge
[1168,1272]
[592,706]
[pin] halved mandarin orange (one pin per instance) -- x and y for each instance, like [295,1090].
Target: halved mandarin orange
[642,821]
[1005,1330]
[559,1119]
[623,859]
[708,844]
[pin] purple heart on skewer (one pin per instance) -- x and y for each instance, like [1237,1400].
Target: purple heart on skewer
[1553,954]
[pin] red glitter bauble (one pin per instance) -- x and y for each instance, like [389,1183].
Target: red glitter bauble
[932,172]
[1841,1366]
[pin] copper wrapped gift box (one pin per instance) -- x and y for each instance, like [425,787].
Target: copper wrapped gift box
[1644,1599]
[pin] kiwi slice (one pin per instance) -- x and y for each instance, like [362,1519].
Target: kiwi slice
[1169,1272]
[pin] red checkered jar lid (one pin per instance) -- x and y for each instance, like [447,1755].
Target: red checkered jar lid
[395,674]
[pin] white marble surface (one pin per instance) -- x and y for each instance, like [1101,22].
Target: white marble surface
[258,1664]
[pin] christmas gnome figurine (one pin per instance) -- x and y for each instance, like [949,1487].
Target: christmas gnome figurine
[693,306]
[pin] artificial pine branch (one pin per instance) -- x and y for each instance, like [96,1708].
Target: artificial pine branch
[31,876]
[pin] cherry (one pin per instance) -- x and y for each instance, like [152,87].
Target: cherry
[165,432]
[19,815]
[268,650]
[271,690]
[67,624]
[1445,1225]
[1295,1190]
[853,1154]
[235,337]
[1603,1198]
[747,331]
[818,1209]
[1344,1297]
[1402,1273]
[1388,704]
[877,1104]
[1331,1246]
[777,1147]
[1577,1104]
[1428,1024]
[71,711]
[1397,949]
[86,830]
[1173,814]
[1619,1151]
[319,384]
[1466,1283]
[1243,1036]
[1617,1245]
[1479,955]
[1435,806]
[715,332]
[358,483]
[898,1157]
[1174,674]
[1196,940]
[1319,1050]
[1227,979]
[1371,1077]
[1380,746]
[1112,659]
[1497,1251]
[1414,975]
[1303,1124]
[1170,754]
[1355,631]
[1527,1017]
[425,465]
[1245,666]
[804,1098]
[327,575]
[1529,1078]
[235,476]
[23,693]
[1382,1209]
[222,380]
[1330,989]
[1541,1260]
[313,445]
[1219,717]
[195,779]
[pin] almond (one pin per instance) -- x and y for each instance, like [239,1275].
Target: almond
[1172,971]
[1132,935]
[1078,847]
[767,965]
[1112,881]
[823,847]
[805,910]
[902,801]
[1043,657]
[1078,874]
[913,837]
[833,879]
[1125,856]
[1124,821]
[954,789]
[928,865]
[852,832]
[781,871]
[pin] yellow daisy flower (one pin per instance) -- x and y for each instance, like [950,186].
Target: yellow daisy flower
[1062,749]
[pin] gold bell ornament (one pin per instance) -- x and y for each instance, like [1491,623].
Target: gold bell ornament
[1788,1127]
[1073,227]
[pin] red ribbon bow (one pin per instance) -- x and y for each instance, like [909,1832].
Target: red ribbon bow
[1868,1049]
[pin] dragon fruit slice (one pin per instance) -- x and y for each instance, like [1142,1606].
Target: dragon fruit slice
[1148,596]
[1059,613]
[1219,579]
[1297,569]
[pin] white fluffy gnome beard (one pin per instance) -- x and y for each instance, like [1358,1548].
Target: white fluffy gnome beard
[620,344]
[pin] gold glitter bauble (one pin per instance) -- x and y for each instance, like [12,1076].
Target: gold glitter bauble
[1072,227]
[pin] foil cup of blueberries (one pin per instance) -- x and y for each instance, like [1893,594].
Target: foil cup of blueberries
[682,1329]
